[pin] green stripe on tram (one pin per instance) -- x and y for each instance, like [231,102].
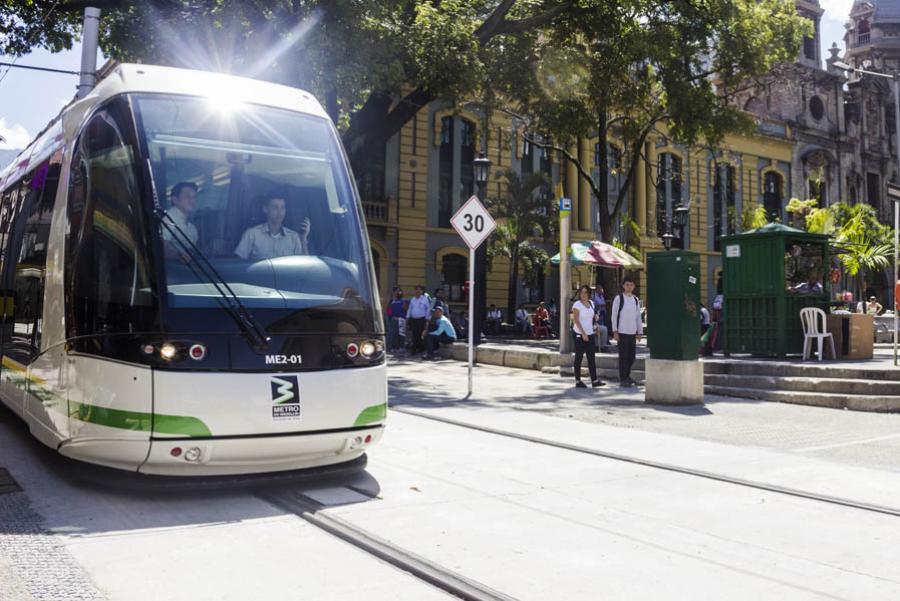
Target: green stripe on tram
[138,420]
[375,413]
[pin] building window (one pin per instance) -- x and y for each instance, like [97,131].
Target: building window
[445,175]
[863,32]
[816,187]
[453,270]
[816,108]
[527,155]
[724,206]
[456,176]
[668,189]
[773,196]
[873,190]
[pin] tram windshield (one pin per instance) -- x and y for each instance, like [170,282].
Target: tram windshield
[264,194]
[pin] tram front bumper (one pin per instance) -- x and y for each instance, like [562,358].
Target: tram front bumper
[255,454]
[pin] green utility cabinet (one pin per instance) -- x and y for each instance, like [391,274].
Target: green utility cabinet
[766,276]
[673,320]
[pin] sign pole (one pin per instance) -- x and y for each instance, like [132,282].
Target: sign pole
[474,224]
[565,272]
[471,315]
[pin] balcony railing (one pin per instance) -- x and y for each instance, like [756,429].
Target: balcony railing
[863,38]
[376,211]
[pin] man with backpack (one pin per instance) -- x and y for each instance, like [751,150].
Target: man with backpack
[627,328]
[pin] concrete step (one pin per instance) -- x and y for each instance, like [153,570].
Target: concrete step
[853,386]
[881,403]
[747,367]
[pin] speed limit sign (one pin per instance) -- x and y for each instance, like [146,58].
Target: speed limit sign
[473,222]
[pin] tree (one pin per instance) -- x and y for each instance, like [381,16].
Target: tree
[622,69]
[524,213]
[373,64]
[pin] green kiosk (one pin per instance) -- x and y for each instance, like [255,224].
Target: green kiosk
[674,375]
[768,275]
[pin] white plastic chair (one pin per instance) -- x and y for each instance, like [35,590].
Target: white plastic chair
[811,317]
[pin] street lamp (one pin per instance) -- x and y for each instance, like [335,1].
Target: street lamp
[482,171]
[679,220]
[895,84]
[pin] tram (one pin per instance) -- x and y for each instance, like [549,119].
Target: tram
[186,285]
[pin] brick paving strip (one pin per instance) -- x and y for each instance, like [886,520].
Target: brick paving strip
[34,565]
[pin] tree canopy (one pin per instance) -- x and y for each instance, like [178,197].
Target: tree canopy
[373,63]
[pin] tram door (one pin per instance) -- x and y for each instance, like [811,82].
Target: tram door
[24,271]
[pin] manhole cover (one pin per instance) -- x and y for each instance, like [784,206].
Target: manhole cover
[7,484]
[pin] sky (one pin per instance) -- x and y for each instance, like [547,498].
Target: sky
[30,99]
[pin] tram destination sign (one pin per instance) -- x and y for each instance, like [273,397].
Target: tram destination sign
[473,222]
[893,192]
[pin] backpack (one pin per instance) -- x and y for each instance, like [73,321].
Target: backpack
[637,305]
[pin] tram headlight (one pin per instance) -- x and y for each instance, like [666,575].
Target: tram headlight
[367,349]
[192,454]
[168,351]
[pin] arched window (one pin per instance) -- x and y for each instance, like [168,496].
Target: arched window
[773,195]
[668,189]
[453,270]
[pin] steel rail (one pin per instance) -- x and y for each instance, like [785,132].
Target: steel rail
[416,565]
[774,488]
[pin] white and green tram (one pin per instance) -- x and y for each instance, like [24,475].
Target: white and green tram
[135,335]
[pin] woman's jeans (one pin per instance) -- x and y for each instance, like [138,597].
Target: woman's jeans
[582,348]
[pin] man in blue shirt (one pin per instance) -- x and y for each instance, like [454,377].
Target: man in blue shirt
[443,332]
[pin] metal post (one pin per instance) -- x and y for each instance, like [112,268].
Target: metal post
[565,279]
[471,315]
[480,276]
[89,42]
[896,83]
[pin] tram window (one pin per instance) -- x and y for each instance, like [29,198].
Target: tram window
[30,251]
[235,163]
[109,283]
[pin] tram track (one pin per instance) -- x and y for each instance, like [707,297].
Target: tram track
[314,513]
[669,467]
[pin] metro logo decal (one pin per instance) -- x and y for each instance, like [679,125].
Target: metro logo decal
[285,397]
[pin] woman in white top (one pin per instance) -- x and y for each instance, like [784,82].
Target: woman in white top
[584,318]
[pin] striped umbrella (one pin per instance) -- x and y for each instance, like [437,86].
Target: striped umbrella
[600,254]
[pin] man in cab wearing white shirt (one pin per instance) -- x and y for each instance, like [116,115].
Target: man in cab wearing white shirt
[271,239]
[627,329]
[184,201]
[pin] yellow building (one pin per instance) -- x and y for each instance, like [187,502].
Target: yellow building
[426,174]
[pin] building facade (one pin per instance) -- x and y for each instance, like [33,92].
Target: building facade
[818,136]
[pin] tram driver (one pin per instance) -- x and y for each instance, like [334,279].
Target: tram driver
[271,239]
[184,201]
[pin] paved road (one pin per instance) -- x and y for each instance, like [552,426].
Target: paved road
[851,437]
[531,521]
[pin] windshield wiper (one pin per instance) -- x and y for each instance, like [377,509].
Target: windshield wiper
[203,269]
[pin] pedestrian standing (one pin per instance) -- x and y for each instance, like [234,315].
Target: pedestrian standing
[627,328]
[396,310]
[600,307]
[583,321]
[418,312]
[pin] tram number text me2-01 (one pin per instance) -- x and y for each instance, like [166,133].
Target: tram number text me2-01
[284,359]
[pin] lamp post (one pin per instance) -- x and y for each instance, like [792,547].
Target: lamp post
[482,170]
[679,220]
[895,85]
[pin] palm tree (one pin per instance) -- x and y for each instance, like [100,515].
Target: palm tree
[524,212]
[861,247]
